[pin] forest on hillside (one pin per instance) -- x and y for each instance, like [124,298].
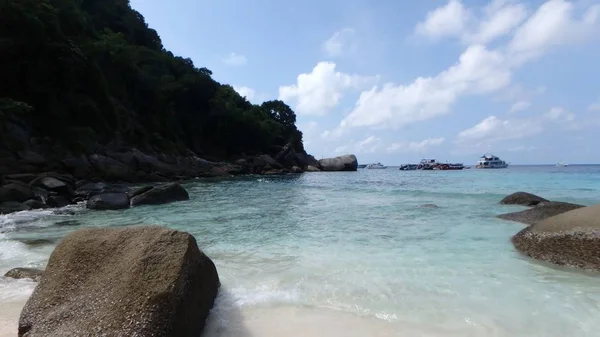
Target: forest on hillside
[85,72]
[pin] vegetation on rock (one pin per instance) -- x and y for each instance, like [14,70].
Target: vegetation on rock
[80,74]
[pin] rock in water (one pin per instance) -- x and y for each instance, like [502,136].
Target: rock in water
[540,212]
[161,195]
[523,199]
[342,163]
[570,239]
[129,281]
[21,273]
[108,201]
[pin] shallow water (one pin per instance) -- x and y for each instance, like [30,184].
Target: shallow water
[358,247]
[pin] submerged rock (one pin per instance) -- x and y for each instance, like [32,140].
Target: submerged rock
[342,163]
[540,212]
[108,201]
[21,273]
[523,199]
[569,239]
[131,281]
[429,206]
[161,195]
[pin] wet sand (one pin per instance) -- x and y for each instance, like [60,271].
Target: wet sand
[9,317]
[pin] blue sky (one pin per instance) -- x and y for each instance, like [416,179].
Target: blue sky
[396,81]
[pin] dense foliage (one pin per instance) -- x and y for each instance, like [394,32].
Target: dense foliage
[85,72]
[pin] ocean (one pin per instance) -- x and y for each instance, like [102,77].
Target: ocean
[355,253]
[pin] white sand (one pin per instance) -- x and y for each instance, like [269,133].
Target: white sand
[9,317]
[269,322]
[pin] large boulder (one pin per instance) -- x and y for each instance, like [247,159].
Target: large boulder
[129,281]
[161,195]
[342,163]
[25,273]
[108,201]
[569,239]
[523,199]
[15,191]
[540,212]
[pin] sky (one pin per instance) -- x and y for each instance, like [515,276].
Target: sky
[397,81]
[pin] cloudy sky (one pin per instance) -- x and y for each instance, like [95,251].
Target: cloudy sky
[396,81]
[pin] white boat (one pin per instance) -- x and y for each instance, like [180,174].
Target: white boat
[489,161]
[376,166]
[562,164]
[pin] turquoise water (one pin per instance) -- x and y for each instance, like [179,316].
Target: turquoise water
[361,244]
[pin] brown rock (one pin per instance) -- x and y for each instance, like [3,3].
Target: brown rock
[523,199]
[540,212]
[129,281]
[21,273]
[569,239]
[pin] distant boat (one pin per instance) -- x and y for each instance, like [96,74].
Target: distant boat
[376,166]
[489,161]
[362,165]
[408,167]
[562,164]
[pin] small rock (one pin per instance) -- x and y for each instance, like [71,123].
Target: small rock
[134,192]
[429,206]
[296,169]
[161,195]
[15,191]
[540,212]
[311,168]
[34,204]
[57,201]
[53,185]
[36,242]
[523,199]
[108,201]
[21,273]
[25,178]
[13,206]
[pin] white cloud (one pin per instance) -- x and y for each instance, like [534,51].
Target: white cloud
[310,133]
[478,71]
[339,43]
[493,129]
[519,106]
[419,147]
[559,114]
[447,21]
[321,90]
[367,145]
[234,59]
[244,91]
[553,24]
[594,107]
[471,27]
[522,148]
[500,19]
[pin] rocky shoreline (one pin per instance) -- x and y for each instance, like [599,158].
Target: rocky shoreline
[560,233]
[30,181]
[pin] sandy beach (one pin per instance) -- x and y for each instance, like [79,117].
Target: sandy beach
[9,317]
